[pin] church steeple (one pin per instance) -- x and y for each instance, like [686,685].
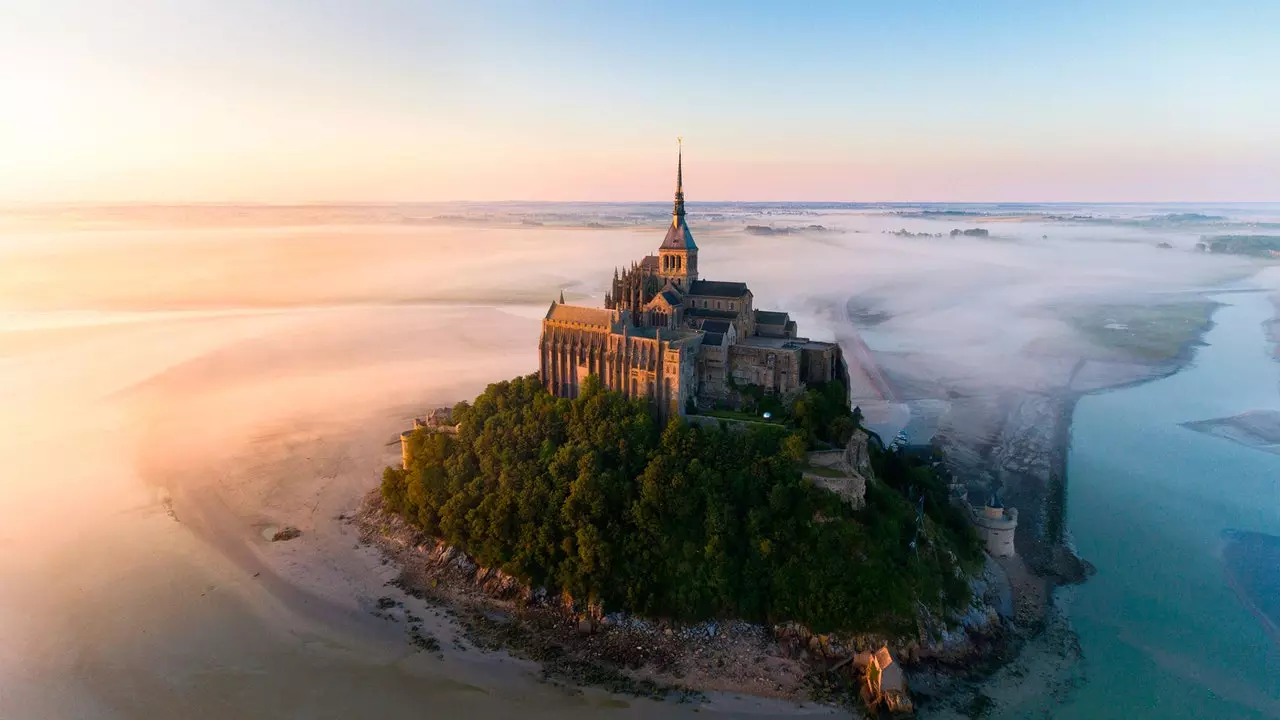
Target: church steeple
[677,211]
[678,254]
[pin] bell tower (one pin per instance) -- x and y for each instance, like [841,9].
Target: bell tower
[678,255]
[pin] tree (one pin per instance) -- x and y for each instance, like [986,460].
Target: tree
[590,496]
[796,447]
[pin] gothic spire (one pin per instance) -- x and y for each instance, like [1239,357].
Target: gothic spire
[562,297]
[677,211]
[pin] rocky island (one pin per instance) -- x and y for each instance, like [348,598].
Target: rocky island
[682,500]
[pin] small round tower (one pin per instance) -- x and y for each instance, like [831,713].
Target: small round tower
[997,525]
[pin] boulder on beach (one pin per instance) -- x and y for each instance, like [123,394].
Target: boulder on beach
[288,532]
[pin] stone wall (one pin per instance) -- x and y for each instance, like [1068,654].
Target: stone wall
[777,370]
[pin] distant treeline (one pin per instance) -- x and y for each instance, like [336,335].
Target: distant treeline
[1267,246]
[769,230]
[593,497]
[972,232]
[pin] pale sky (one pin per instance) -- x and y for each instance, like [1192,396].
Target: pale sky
[328,100]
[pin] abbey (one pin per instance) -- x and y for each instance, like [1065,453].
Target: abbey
[667,335]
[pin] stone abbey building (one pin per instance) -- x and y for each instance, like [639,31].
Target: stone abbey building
[667,335]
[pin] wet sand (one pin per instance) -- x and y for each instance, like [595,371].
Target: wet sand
[167,392]
[145,587]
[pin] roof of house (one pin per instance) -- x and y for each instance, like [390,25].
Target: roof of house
[716,288]
[769,317]
[818,345]
[595,317]
[776,343]
[715,325]
[713,338]
[662,301]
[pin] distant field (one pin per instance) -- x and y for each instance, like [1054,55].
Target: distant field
[1145,333]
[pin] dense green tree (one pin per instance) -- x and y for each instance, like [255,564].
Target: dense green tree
[591,496]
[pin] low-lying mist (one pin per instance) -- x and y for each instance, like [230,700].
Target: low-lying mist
[980,302]
[173,378]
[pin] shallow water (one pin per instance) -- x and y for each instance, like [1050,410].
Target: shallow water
[1163,633]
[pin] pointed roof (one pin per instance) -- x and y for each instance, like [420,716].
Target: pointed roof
[678,209]
[678,235]
[578,315]
[664,301]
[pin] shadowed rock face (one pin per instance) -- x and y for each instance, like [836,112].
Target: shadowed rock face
[1252,564]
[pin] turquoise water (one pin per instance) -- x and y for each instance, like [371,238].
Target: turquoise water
[1163,634]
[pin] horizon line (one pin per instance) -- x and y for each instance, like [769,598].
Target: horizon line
[372,203]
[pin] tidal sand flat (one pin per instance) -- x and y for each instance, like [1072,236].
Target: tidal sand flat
[1258,429]
[1252,563]
[173,386]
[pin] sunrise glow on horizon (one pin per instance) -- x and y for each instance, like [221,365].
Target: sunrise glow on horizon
[177,101]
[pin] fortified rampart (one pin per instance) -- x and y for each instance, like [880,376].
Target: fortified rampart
[438,420]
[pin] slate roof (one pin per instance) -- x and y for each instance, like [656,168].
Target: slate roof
[712,338]
[715,326]
[650,262]
[716,288]
[678,237]
[595,317]
[768,317]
